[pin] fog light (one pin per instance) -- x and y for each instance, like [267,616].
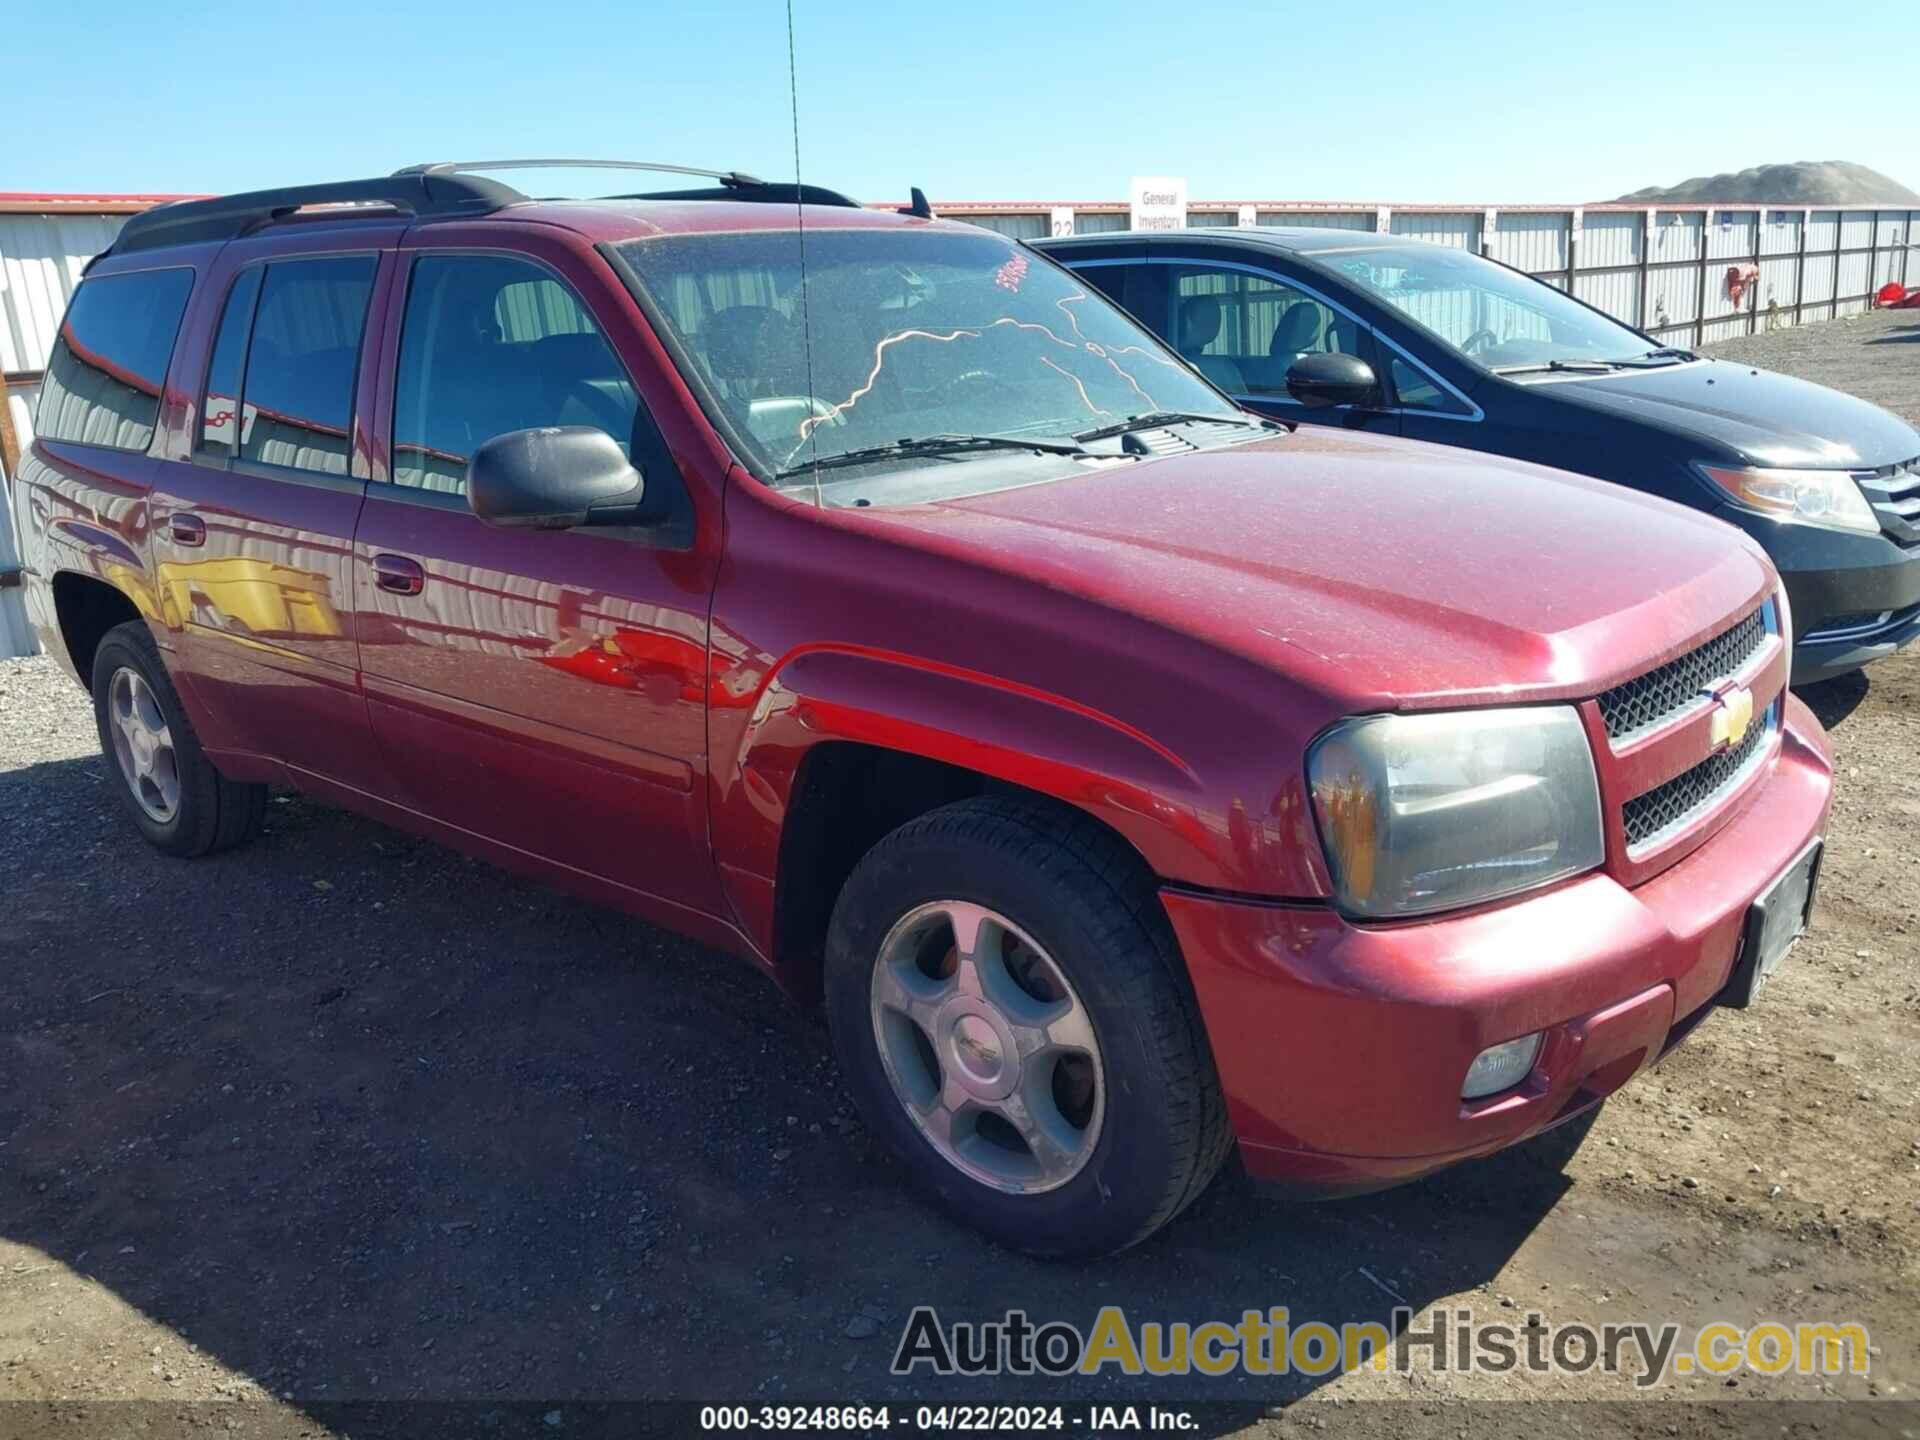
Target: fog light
[1500,1067]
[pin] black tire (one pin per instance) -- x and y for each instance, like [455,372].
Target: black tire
[213,813]
[1088,901]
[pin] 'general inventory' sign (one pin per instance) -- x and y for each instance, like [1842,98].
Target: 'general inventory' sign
[1158,202]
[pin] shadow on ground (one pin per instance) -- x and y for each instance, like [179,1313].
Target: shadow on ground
[1832,701]
[363,1119]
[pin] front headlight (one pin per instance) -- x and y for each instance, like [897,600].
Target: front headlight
[1806,497]
[1430,812]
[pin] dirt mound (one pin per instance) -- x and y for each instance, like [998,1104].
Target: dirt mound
[1805,182]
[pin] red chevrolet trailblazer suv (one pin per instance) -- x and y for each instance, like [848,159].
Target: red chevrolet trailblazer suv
[861,593]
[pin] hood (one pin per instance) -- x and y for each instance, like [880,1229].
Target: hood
[1382,572]
[1738,412]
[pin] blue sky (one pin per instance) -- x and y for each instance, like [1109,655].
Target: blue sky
[1497,101]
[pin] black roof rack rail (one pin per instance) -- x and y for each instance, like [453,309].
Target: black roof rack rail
[438,190]
[734,184]
[771,193]
[227,217]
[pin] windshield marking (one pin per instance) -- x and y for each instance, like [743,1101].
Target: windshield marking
[834,412]
[813,422]
[1079,385]
[1125,374]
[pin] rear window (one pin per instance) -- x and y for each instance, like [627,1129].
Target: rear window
[297,409]
[103,379]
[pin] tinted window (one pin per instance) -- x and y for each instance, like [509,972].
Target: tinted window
[301,363]
[533,309]
[489,345]
[1109,280]
[220,409]
[103,378]
[1417,390]
[1243,331]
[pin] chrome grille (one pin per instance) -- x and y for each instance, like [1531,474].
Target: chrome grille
[1894,493]
[1667,807]
[1657,696]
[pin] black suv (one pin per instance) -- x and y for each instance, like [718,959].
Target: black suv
[1374,332]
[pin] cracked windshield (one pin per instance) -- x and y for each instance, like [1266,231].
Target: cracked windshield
[930,347]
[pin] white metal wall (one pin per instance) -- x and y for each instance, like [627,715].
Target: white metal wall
[41,257]
[1318,219]
[16,637]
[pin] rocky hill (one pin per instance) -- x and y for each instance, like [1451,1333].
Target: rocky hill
[1805,182]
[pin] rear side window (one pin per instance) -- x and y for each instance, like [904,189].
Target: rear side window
[103,379]
[297,394]
[1244,331]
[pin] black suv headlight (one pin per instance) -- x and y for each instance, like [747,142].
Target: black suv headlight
[1828,498]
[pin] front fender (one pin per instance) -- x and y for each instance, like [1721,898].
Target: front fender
[1010,732]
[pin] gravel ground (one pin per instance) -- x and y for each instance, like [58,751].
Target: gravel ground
[343,1117]
[1875,356]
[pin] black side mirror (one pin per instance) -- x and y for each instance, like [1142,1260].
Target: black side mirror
[1325,378]
[553,478]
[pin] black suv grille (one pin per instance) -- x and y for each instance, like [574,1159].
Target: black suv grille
[1894,494]
[1653,697]
[1691,793]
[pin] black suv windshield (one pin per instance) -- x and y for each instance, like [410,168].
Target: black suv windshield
[1494,316]
[915,334]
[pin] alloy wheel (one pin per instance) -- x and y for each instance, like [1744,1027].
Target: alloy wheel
[143,744]
[988,1047]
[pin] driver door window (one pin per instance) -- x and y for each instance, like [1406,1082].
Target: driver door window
[491,344]
[1242,330]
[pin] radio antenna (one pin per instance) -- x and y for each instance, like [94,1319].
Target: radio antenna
[800,224]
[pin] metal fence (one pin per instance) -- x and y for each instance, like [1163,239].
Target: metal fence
[1663,270]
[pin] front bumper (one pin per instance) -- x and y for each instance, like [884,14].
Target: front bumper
[1839,581]
[1850,647]
[1341,1047]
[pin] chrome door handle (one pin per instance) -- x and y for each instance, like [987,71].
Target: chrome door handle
[187,529]
[398,575]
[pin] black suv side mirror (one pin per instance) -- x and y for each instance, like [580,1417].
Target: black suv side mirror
[1326,378]
[552,478]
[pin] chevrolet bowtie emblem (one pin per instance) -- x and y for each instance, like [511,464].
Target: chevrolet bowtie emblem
[1731,717]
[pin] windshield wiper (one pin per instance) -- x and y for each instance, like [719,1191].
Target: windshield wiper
[1654,359]
[928,445]
[1155,419]
[1579,367]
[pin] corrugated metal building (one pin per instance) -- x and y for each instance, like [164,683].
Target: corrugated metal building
[45,241]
